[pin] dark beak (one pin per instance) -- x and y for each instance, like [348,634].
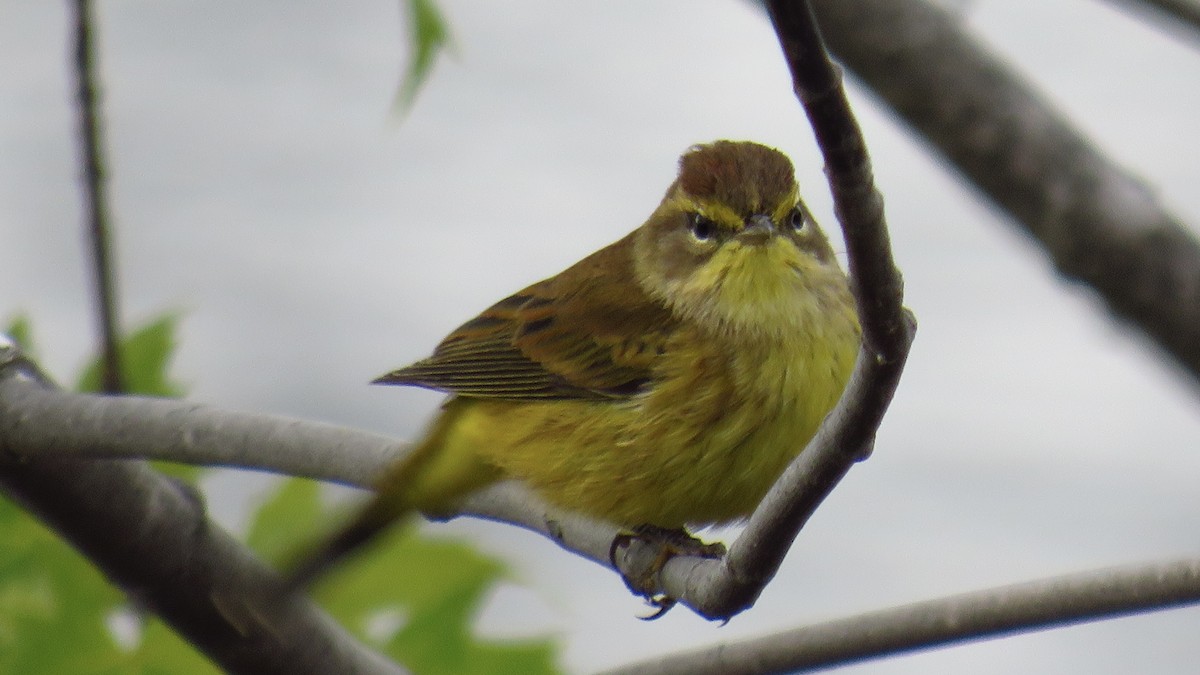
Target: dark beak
[758,230]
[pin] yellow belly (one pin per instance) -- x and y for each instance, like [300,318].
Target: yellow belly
[702,446]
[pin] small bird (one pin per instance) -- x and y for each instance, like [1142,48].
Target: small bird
[663,381]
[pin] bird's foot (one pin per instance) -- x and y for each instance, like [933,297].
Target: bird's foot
[668,543]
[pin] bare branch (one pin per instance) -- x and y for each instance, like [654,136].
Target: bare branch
[150,537]
[96,197]
[1046,603]
[39,422]
[1100,224]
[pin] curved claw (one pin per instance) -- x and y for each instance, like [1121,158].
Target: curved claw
[664,603]
[671,543]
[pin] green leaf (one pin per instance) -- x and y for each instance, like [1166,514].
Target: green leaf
[20,330]
[289,515]
[435,584]
[54,608]
[428,35]
[53,603]
[145,355]
[439,586]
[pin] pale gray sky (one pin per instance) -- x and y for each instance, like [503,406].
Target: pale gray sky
[261,185]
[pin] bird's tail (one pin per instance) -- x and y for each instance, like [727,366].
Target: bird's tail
[383,510]
[434,475]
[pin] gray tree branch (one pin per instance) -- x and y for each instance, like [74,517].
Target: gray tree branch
[38,421]
[1100,225]
[150,536]
[1046,603]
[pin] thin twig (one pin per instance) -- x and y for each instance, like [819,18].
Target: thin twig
[96,198]
[1046,603]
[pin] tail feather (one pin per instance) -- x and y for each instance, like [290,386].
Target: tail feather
[380,513]
[431,476]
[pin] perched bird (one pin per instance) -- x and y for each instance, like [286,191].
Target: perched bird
[665,380]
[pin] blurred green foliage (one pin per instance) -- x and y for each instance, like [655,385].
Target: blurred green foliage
[145,359]
[428,35]
[19,329]
[435,585]
[56,609]
[412,598]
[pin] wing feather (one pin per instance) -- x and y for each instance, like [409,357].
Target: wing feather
[590,332]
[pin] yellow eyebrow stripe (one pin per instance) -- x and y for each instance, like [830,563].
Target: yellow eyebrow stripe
[786,204]
[729,219]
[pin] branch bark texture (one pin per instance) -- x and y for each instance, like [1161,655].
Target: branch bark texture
[1100,225]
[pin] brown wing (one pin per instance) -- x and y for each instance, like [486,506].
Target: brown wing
[589,332]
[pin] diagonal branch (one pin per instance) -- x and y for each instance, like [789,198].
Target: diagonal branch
[96,197]
[1100,225]
[720,589]
[150,537]
[1046,603]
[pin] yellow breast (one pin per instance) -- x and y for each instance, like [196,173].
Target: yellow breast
[701,446]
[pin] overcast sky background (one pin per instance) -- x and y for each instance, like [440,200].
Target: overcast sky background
[261,185]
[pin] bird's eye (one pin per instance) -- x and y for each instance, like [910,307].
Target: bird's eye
[702,228]
[796,219]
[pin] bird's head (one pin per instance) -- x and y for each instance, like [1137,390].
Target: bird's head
[732,245]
